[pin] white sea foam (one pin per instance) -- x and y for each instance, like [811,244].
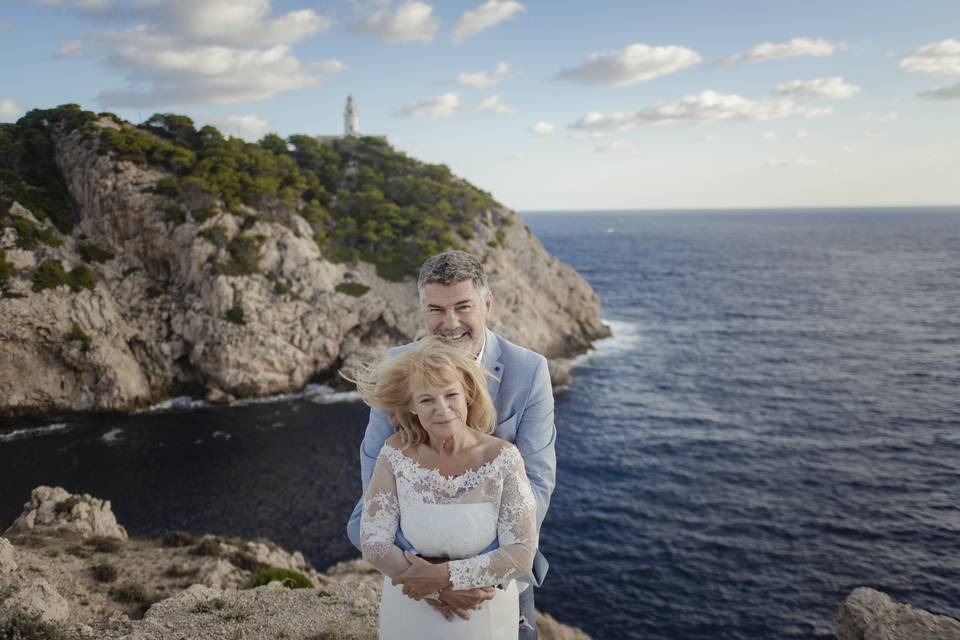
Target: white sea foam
[111,436]
[30,432]
[318,393]
[626,336]
[221,434]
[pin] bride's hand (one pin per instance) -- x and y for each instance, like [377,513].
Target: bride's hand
[422,578]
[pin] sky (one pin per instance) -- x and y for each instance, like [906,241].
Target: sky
[547,104]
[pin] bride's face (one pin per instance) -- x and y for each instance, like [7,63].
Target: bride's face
[442,409]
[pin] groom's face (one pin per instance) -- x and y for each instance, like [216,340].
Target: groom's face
[456,313]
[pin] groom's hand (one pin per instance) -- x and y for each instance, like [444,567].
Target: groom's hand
[447,611]
[422,578]
[468,598]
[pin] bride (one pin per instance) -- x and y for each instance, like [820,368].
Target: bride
[452,489]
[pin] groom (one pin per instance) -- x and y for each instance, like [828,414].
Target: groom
[456,303]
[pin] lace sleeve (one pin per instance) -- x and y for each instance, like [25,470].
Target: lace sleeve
[380,519]
[516,529]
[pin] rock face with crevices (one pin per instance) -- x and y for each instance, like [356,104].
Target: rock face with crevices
[163,320]
[868,614]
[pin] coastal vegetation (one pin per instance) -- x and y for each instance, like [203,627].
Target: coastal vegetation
[362,199]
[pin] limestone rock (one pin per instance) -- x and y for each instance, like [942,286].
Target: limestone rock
[8,559]
[868,614]
[549,629]
[37,598]
[53,509]
[163,319]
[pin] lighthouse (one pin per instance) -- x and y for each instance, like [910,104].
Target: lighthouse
[351,122]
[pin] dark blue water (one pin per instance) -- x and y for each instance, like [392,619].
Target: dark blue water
[779,424]
[775,423]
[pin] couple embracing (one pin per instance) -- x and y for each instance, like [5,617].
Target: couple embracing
[458,466]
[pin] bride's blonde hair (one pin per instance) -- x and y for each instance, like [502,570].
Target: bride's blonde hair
[387,385]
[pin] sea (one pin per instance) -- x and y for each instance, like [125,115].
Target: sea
[775,422]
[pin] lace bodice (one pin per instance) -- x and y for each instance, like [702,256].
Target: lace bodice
[455,517]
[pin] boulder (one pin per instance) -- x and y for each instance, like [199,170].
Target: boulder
[867,614]
[36,598]
[54,509]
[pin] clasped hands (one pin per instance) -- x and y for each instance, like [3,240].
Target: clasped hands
[424,577]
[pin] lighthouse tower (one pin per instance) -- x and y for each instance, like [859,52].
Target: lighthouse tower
[351,122]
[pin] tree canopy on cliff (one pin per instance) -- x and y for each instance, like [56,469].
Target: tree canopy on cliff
[363,199]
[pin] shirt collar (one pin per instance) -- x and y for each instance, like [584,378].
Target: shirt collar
[480,355]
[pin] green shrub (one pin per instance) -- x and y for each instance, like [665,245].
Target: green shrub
[465,231]
[203,214]
[178,539]
[104,572]
[22,626]
[80,277]
[244,256]
[7,270]
[354,289]
[208,546]
[76,333]
[93,253]
[501,238]
[289,578]
[104,544]
[174,215]
[129,593]
[209,606]
[235,315]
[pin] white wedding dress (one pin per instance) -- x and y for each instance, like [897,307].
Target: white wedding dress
[454,517]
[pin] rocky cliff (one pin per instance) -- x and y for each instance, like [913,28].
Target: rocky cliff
[128,301]
[68,570]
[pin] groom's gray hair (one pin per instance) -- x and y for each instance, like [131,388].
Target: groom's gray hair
[453,267]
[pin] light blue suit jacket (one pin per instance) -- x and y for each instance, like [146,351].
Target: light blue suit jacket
[523,398]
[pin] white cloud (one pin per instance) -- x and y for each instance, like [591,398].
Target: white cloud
[71,49]
[412,21]
[706,107]
[798,135]
[10,109]
[186,52]
[496,104]
[439,107]
[834,87]
[846,148]
[199,74]
[614,146]
[484,79]
[882,118]
[710,137]
[796,47]
[83,5]
[635,63]
[542,128]
[489,14]
[937,59]
[249,128]
[790,162]
[329,66]
[942,93]
[242,23]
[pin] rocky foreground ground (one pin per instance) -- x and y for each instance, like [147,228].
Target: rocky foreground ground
[68,570]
